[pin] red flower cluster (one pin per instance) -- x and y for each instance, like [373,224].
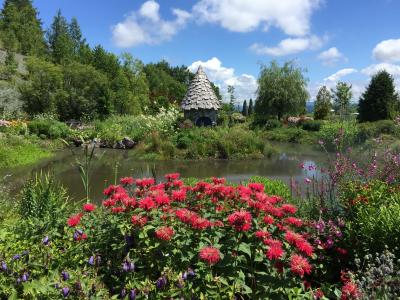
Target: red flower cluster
[138,220]
[240,220]
[88,207]
[210,255]
[299,265]
[164,233]
[299,241]
[74,220]
[127,181]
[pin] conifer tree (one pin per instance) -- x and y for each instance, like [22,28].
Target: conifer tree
[76,36]
[245,111]
[323,104]
[21,29]
[380,99]
[60,41]
[251,107]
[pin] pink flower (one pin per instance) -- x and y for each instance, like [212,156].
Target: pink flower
[126,181]
[165,233]
[240,220]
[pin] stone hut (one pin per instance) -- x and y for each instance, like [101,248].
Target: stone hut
[200,104]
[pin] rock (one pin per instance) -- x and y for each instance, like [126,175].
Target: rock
[119,145]
[77,142]
[128,143]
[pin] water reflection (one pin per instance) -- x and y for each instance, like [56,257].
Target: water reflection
[111,164]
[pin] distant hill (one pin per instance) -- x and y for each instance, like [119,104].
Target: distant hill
[310,106]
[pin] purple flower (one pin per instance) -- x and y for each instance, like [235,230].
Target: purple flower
[76,235]
[16,257]
[123,293]
[18,280]
[65,275]
[329,243]
[65,291]
[161,282]
[307,180]
[132,294]
[45,240]
[128,266]
[91,260]
[3,266]
[78,286]
[191,272]
[25,277]
[26,252]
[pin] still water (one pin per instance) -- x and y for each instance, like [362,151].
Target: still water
[110,164]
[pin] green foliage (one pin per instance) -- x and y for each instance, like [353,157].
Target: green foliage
[49,128]
[374,212]
[380,99]
[291,135]
[234,143]
[341,97]
[272,124]
[282,90]
[368,130]
[273,187]
[43,88]
[323,104]
[311,125]
[21,29]
[41,198]
[251,107]
[340,135]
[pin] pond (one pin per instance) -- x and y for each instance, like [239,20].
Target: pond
[110,164]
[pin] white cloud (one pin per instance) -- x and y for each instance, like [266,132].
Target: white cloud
[289,46]
[245,85]
[331,56]
[291,16]
[147,27]
[387,51]
[339,74]
[394,70]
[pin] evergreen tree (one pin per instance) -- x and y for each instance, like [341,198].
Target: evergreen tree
[21,29]
[251,107]
[245,111]
[76,36]
[60,41]
[379,100]
[323,104]
[341,97]
[232,99]
[106,62]
[282,90]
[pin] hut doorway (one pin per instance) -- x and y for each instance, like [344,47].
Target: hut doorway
[203,121]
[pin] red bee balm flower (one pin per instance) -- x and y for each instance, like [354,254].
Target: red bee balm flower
[126,181]
[350,291]
[172,176]
[164,233]
[241,220]
[88,207]
[274,252]
[210,255]
[299,265]
[147,203]
[74,220]
[138,220]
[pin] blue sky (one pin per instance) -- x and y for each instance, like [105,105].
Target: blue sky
[333,39]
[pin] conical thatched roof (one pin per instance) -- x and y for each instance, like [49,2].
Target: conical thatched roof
[200,94]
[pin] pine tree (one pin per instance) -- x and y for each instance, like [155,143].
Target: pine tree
[21,29]
[379,100]
[245,111]
[60,41]
[76,36]
[323,104]
[251,107]
[341,97]
[232,99]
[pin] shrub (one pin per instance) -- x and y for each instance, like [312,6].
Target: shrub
[370,130]
[339,135]
[272,124]
[310,125]
[273,186]
[50,128]
[374,212]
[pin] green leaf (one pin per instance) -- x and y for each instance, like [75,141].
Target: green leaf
[245,248]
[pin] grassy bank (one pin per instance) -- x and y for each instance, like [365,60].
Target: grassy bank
[24,150]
